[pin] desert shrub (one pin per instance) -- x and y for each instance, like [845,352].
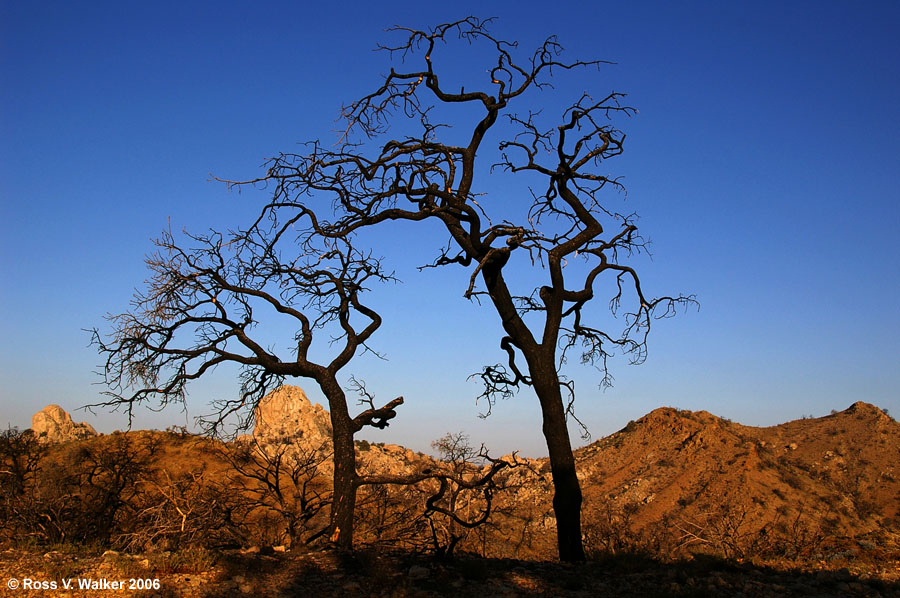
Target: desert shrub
[798,537]
[182,510]
[82,492]
[89,490]
[727,529]
[21,458]
[609,530]
[194,559]
[106,492]
[391,516]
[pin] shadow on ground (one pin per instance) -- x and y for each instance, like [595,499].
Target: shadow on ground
[369,573]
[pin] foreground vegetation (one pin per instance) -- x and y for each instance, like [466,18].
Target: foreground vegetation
[179,494]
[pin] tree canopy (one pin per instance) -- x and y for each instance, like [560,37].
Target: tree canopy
[397,161]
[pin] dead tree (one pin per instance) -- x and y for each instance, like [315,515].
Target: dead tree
[281,476]
[401,162]
[22,458]
[201,307]
[20,461]
[443,487]
[461,505]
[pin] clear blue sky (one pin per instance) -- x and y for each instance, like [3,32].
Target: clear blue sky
[765,163]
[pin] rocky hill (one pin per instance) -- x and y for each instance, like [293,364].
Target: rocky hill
[840,470]
[671,481]
[287,417]
[286,412]
[679,481]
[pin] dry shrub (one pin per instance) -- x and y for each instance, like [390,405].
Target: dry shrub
[726,529]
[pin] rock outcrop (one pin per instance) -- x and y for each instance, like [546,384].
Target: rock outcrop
[286,414]
[54,424]
[286,418]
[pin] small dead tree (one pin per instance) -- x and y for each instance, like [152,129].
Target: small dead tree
[21,459]
[453,501]
[283,477]
[458,494]
[174,509]
[86,491]
[728,528]
[556,221]
[201,308]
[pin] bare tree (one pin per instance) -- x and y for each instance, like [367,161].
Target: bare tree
[21,462]
[200,310]
[440,485]
[282,477]
[563,226]
[458,506]
[460,492]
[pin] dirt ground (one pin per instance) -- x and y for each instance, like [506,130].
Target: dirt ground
[197,574]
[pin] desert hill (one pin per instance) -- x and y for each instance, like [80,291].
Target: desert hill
[808,507]
[676,480]
[834,475]
[672,481]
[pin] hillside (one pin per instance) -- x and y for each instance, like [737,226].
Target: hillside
[836,475]
[816,493]
[678,481]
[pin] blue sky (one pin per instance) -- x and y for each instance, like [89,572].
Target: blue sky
[764,161]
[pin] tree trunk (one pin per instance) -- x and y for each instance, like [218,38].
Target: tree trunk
[545,380]
[343,505]
[567,490]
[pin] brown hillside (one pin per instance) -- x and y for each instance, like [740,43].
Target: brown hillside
[670,483]
[836,475]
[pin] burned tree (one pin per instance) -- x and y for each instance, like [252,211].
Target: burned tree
[399,161]
[201,309]
[458,495]
[464,498]
[281,477]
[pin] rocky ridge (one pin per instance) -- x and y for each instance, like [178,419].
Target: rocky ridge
[841,469]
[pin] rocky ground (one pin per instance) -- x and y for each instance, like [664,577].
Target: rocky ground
[267,572]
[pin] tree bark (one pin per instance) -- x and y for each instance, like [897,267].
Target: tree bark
[567,489]
[343,503]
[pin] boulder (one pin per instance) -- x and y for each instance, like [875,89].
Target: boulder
[53,424]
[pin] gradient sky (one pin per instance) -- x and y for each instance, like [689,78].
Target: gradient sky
[764,161]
